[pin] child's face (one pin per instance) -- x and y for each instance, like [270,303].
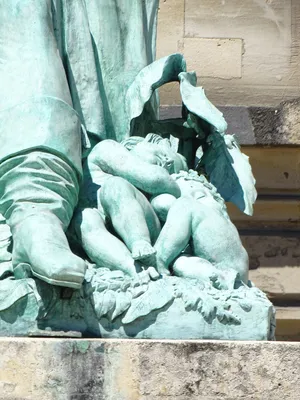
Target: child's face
[196,190]
[191,188]
[152,153]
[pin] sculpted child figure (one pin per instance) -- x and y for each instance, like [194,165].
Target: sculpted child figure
[198,216]
[112,177]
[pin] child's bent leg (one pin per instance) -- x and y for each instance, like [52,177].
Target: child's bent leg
[151,218]
[175,234]
[100,245]
[119,201]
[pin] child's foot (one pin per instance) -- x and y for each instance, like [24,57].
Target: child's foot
[218,283]
[143,251]
[161,267]
[224,279]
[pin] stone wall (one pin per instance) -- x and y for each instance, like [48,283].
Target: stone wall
[52,369]
[245,52]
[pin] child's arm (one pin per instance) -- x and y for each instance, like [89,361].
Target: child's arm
[114,159]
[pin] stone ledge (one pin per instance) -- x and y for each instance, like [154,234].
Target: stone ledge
[263,126]
[61,369]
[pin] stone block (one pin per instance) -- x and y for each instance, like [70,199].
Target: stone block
[264,26]
[270,34]
[276,169]
[170,27]
[269,213]
[56,369]
[220,58]
[170,31]
[279,283]
[239,124]
[288,323]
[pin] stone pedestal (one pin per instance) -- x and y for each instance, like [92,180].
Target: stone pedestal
[61,369]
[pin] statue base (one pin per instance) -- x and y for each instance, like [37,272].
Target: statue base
[109,305]
[59,369]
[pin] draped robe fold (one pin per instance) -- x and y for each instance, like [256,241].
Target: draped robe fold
[67,63]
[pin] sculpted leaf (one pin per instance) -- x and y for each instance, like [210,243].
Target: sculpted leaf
[229,171]
[227,317]
[156,297]
[123,301]
[208,309]
[245,305]
[104,302]
[198,104]
[151,77]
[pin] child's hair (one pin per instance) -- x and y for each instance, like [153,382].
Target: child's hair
[179,162]
[193,176]
[131,142]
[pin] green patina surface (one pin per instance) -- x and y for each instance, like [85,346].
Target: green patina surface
[97,191]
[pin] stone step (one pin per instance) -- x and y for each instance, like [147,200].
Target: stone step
[288,323]
[276,169]
[60,369]
[280,284]
[275,249]
[268,214]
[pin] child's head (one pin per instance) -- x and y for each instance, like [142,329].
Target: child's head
[156,150]
[197,186]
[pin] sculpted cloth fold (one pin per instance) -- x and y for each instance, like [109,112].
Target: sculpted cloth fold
[65,67]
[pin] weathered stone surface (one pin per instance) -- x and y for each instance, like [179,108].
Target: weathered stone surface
[170,30]
[274,253]
[214,57]
[270,60]
[56,369]
[288,130]
[170,27]
[278,283]
[277,126]
[239,123]
[276,169]
[264,81]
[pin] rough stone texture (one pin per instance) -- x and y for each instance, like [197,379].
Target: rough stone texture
[56,369]
[264,121]
[278,283]
[220,58]
[277,126]
[277,256]
[288,130]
